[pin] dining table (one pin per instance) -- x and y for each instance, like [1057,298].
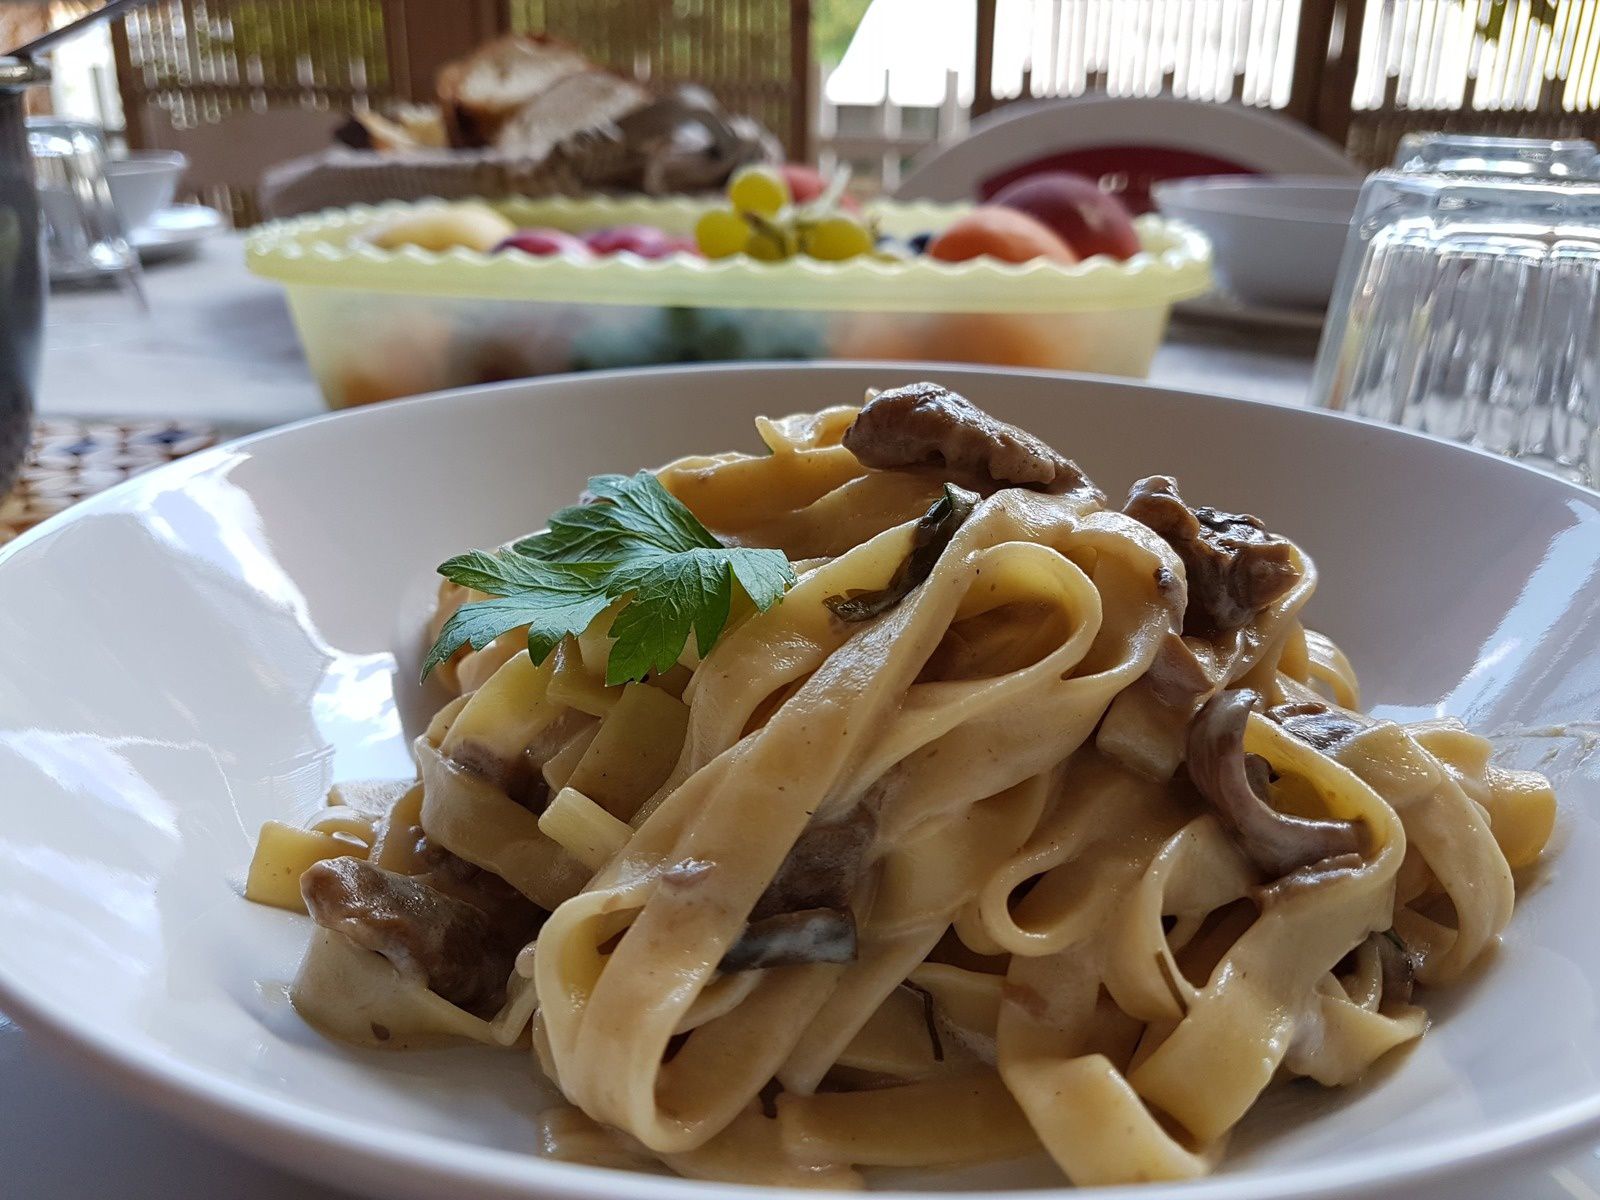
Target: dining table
[212,348]
[216,346]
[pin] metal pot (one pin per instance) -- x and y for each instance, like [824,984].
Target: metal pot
[22,282]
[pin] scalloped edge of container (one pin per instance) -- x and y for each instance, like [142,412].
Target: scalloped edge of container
[325,250]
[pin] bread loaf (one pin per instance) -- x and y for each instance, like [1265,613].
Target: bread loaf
[480,92]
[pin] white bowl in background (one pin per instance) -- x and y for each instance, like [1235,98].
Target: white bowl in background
[260,638]
[1274,240]
[143,183]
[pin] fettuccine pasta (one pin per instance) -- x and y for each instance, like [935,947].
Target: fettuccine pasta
[1025,820]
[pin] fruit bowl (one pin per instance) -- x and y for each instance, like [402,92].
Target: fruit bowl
[382,323]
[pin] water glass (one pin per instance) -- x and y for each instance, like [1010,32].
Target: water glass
[1470,154]
[21,271]
[1469,308]
[84,238]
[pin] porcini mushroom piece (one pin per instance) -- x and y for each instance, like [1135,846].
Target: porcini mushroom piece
[1233,783]
[923,425]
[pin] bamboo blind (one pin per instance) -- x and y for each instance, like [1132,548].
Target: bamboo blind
[753,55]
[189,62]
[1220,50]
[1362,71]
[192,62]
[198,60]
[1425,64]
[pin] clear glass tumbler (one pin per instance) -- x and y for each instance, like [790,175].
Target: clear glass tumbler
[1472,154]
[84,238]
[1469,308]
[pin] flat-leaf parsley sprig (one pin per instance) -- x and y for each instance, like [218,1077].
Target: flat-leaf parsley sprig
[636,543]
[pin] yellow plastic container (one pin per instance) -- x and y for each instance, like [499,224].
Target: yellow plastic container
[377,324]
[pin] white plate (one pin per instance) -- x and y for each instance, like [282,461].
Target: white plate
[209,645]
[176,231]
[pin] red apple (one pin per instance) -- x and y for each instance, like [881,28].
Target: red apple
[1087,219]
[806,183]
[542,243]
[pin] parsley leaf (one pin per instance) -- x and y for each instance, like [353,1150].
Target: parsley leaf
[636,543]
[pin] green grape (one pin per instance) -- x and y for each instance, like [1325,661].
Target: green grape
[721,232]
[836,238]
[769,246]
[759,190]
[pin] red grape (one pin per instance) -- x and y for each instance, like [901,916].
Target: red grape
[644,240]
[544,242]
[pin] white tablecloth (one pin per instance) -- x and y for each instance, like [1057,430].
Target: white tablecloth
[217,346]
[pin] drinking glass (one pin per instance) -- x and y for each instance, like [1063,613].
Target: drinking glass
[21,272]
[1471,154]
[84,238]
[1469,308]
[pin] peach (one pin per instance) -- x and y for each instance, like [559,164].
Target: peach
[1001,233]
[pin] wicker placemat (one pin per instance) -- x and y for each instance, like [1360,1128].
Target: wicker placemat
[70,460]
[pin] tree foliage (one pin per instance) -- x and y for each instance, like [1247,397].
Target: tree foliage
[833,24]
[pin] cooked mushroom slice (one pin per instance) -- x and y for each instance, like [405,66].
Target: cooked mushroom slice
[1235,568]
[1399,966]
[444,943]
[521,778]
[1234,784]
[930,1017]
[812,935]
[804,915]
[507,909]
[1318,725]
[933,533]
[925,425]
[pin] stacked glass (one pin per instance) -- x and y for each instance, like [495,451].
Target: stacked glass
[1468,302]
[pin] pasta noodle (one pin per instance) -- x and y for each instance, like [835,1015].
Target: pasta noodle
[1026,820]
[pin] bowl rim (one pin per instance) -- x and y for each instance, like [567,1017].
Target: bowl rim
[1239,196]
[139,162]
[267,1126]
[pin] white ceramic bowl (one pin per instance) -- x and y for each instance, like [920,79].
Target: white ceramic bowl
[143,183]
[1274,241]
[209,645]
